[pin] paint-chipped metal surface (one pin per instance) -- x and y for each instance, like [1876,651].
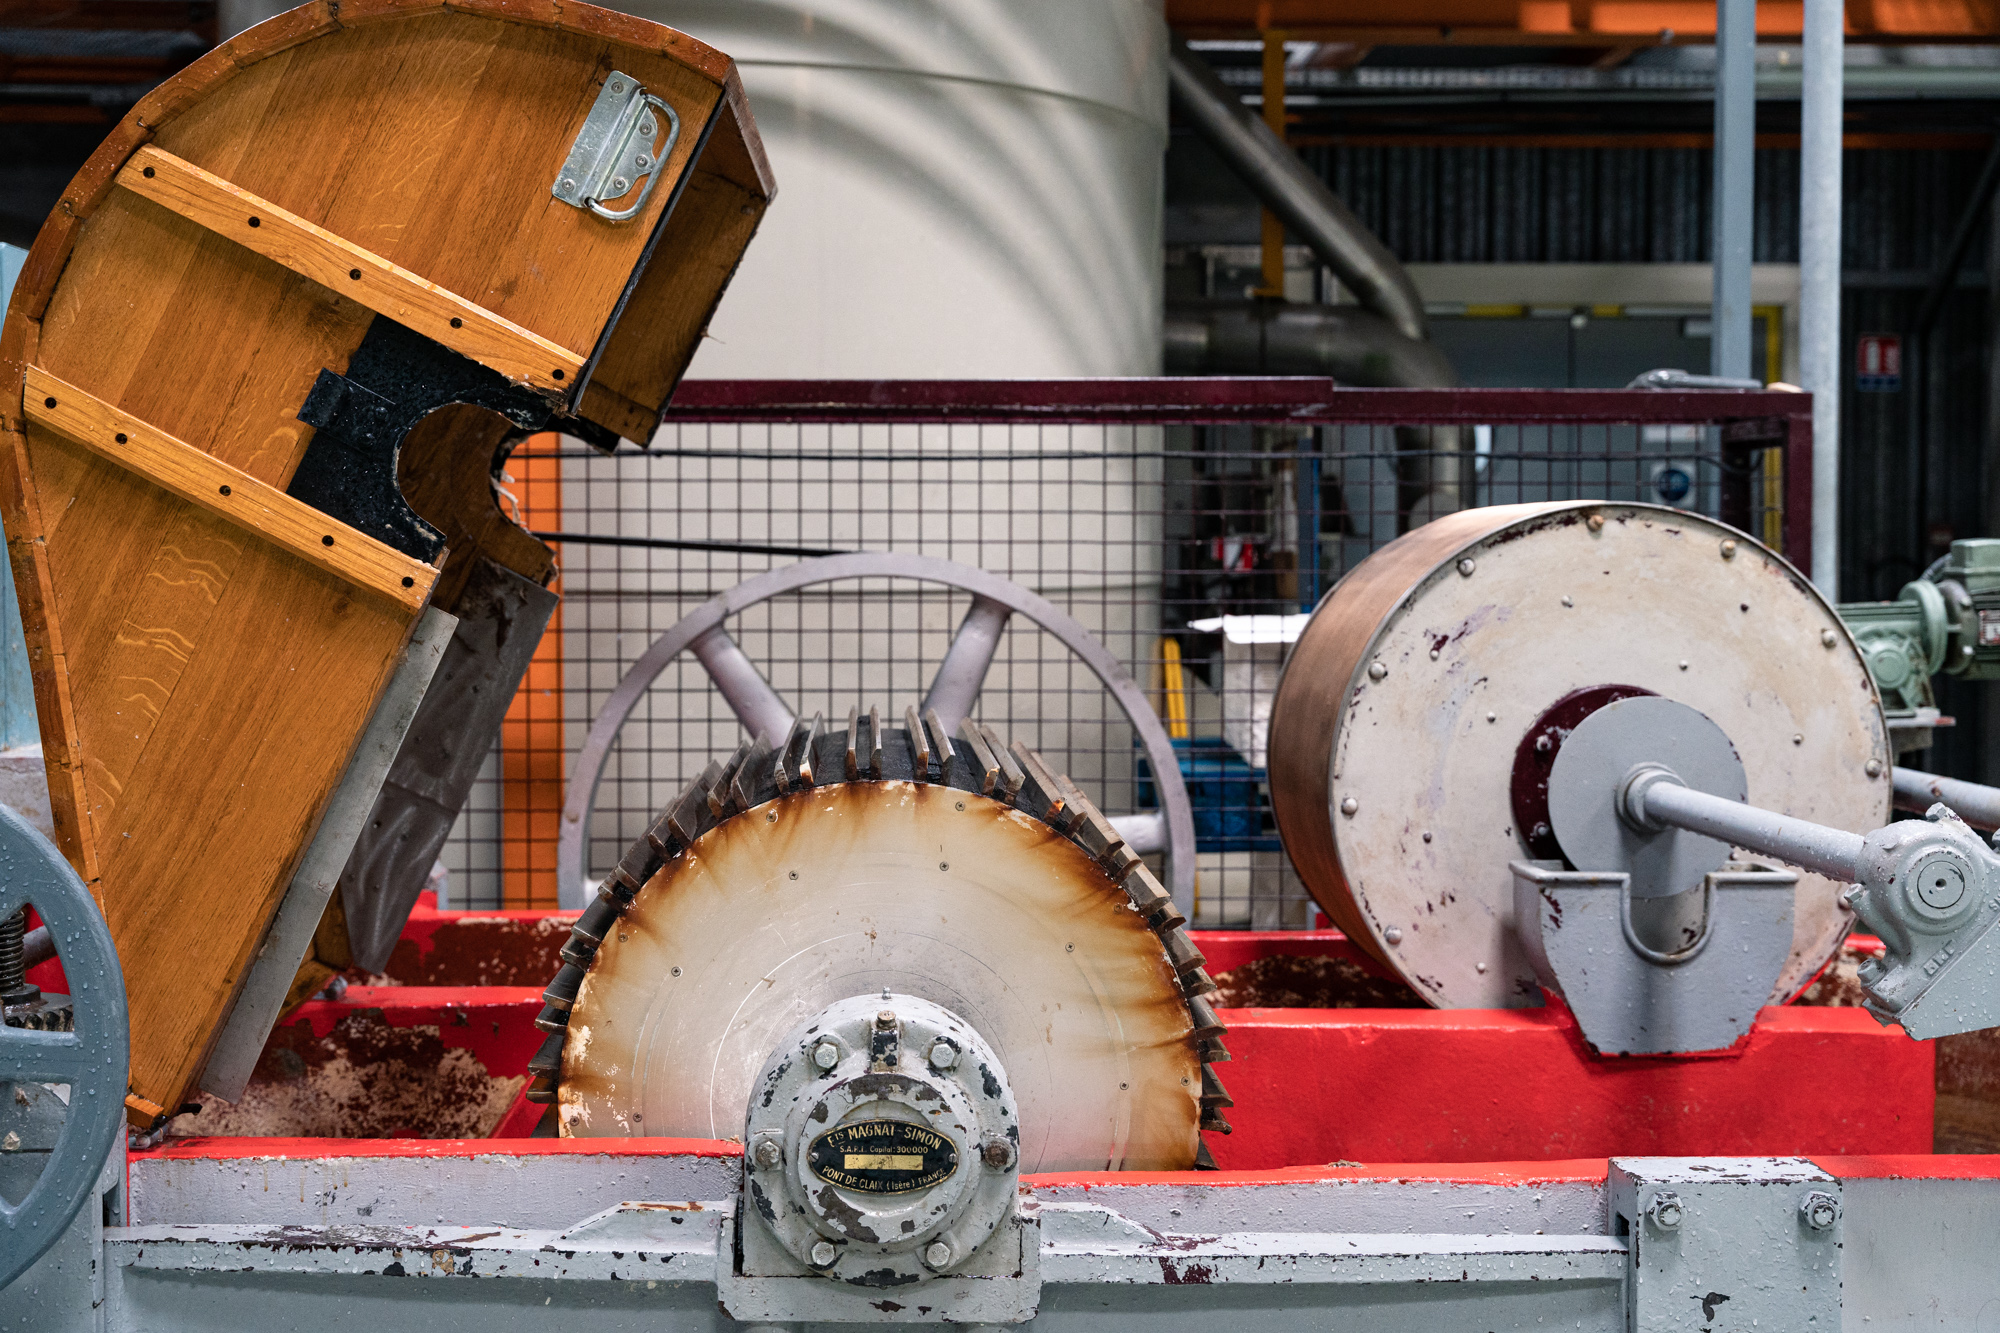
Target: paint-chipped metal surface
[502,1183]
[927,890]
[1441,660]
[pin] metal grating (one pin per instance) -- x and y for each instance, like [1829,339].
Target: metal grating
[1125,514]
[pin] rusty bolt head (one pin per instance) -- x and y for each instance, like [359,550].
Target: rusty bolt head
[769,1154]
[823,1254]
[997,1153]
[826,1055]
[1666,1210]
[1819,1210]
[886,1019]
[937,1254]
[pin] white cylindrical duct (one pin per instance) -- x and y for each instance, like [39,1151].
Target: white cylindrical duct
[969,189]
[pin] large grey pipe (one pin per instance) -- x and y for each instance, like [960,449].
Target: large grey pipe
[1299,198]
[1342,342]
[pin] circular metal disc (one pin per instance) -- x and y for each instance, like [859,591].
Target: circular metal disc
[1480,622]
[1596,758]
[929,891]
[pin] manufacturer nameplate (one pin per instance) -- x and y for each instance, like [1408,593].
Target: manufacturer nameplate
[882,1157]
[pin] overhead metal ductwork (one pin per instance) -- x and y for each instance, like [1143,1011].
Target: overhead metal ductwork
[1382,343]
[1299,198]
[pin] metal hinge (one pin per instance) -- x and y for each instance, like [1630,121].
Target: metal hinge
[618,150]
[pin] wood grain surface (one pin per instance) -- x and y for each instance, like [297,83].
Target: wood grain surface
[203,663]
[229,493]
[338,265]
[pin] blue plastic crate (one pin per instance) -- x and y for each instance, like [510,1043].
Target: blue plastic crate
[1224,792]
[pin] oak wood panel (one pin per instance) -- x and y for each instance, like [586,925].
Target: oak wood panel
[446,474]
[214,722]
[200,688]
[48,667]
[207,341]
[227,492]
[458,125]
[337,264]
[675,298]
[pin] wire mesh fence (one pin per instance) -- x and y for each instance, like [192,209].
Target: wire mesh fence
[1155,534]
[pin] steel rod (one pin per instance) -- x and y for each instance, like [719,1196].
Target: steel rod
[1820,111]
[1830,851]
[1975,803]
[1735,182]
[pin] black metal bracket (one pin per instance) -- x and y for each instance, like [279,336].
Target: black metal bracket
[360,419]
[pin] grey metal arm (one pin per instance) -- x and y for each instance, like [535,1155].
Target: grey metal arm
[1929,888]
[1654,799]
[1975,803]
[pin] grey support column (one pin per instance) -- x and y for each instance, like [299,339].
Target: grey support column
[1735,182]
[1819,278]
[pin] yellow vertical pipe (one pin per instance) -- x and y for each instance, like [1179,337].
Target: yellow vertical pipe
[1274,116]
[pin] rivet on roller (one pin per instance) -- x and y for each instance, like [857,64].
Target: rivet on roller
[1827,638]
[1873,768]
[1465,568]
[1376,671]
[1595,522]
[1728,549]
[1393,935]
[1349,805]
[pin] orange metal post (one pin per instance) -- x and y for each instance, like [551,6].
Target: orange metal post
[531,738]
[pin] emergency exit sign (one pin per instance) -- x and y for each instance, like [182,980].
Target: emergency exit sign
[1878,363]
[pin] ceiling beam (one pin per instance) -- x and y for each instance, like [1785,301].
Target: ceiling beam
[1566,22]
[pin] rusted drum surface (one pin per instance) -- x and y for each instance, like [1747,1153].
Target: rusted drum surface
[924,890]
[1429,693]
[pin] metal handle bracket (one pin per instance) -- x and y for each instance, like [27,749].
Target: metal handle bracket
[618,148]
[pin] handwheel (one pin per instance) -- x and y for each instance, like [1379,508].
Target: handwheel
[952,693]
[92,1060]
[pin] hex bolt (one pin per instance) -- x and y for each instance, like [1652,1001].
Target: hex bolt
[937,1254]
[1665,1210]
[769,1155]
[998,1154]
[826,1055]
[1819,1210]
[823,1253]
[1465,568]
[943,1055]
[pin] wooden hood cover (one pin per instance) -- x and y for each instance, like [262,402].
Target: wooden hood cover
[276,265]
